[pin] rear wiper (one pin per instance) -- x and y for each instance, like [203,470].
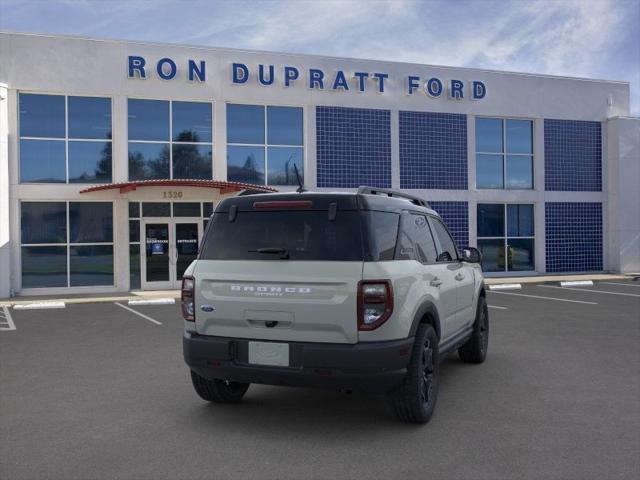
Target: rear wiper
[283,252]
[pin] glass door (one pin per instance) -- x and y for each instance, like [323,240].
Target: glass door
[186,239]
[156,259]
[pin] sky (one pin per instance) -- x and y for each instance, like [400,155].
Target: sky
[580,38]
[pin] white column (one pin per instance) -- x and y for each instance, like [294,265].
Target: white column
[5,244]
[220,141]
[540,243]
[311,159]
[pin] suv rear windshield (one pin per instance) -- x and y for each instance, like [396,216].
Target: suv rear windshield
[294,235]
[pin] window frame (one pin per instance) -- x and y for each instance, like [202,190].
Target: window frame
[436,239]
[170,142]
[504,154]
[266,145]
[66,139]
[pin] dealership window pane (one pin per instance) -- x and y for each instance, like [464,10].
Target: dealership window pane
[89,162]
[148,120]
[89,117]
[156,209]
[489,135]
[490,220]
[41,115]
[192,161]
[519,171]
[520,220]
[492,255]
[281,161]
[134,230]
[191,122]
[91,265]
[90,222]
[207,209]
[42,161]
[519,136]
[489,171]
[185,209]
[245,124]
[520,254]
[134,266]
[148,161]
[43,222]
[44,267]
[284,126]
[134,210]
[245,164]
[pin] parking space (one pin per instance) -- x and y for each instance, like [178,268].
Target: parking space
[101,391]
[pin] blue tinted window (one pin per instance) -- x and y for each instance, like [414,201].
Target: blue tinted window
[489,135]
[493,257]
[192,161]
[89,162]
[148,120]
[42,161]
[191,122]
[90,222]
[186,209]
[134,230]
[91,265]
[519,171]
[281,162]
[284,126]
[520,254]
[134,210]
[41,115]
[489,171]
[490,220]
[44,267]
[245,124]
[89,117]
[519,136]
[156,209]
[134,266]
[520,220]
[245,164]
[148,161]
[207,209]
[43,222]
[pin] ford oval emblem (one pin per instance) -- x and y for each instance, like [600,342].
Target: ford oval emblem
[207,308]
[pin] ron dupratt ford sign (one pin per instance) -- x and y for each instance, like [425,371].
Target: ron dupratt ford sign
[314,78]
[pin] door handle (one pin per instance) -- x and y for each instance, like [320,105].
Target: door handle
[436,282]
[459,277]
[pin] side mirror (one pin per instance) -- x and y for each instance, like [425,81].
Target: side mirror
[471,255]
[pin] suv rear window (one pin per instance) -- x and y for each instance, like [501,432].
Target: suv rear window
[302,234]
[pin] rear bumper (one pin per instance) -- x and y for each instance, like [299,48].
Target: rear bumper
[371,367]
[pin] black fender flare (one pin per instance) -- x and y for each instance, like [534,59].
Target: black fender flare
[430,309]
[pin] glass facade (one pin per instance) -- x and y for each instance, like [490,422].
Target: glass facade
[170,139]
[264,144]
[65,139]
[504,153]
[506,237]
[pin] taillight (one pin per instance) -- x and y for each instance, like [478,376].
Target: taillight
[188,305]
[375,303]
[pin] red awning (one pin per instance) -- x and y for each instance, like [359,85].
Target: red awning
[224,187]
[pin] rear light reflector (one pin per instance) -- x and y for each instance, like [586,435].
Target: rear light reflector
[375,303]
[188,299]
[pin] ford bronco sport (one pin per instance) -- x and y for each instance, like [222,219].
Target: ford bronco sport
[355,291]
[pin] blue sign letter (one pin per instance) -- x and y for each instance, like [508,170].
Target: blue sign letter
[136,64]
[261,78]
[316,77]
[412,84]
[236,68]
[194,71]
[361,76]
[455,89]
[340,81]
[380,77]
[172,68]
[290,74]
[433,87]
[479,90]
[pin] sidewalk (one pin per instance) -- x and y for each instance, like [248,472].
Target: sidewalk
[175,294]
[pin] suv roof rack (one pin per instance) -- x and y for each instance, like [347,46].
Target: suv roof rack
[393,193]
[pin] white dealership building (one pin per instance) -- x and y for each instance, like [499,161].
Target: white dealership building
[113,155]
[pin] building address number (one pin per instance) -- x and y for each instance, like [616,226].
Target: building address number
[172,194]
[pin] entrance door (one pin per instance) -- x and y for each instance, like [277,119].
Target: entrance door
[186,238]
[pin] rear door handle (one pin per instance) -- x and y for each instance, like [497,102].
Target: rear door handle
[436,282]
[459,277]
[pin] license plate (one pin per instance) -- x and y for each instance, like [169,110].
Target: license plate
[269,353]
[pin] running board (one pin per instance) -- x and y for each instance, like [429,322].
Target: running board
[454,342]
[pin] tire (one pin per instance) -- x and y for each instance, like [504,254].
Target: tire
[218,391]
[475,349]
[415,399]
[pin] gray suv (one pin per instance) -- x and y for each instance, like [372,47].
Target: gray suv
[354,291]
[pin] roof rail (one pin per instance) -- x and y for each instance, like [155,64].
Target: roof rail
[393,193]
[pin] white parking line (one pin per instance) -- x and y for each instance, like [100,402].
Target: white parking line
[152,301]
[39,305]
[138,313]
[497,307]
[591,290]
[8,324]
[546,298]
[622,284]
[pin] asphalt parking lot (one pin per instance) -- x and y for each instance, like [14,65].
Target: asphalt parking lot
[98,391]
